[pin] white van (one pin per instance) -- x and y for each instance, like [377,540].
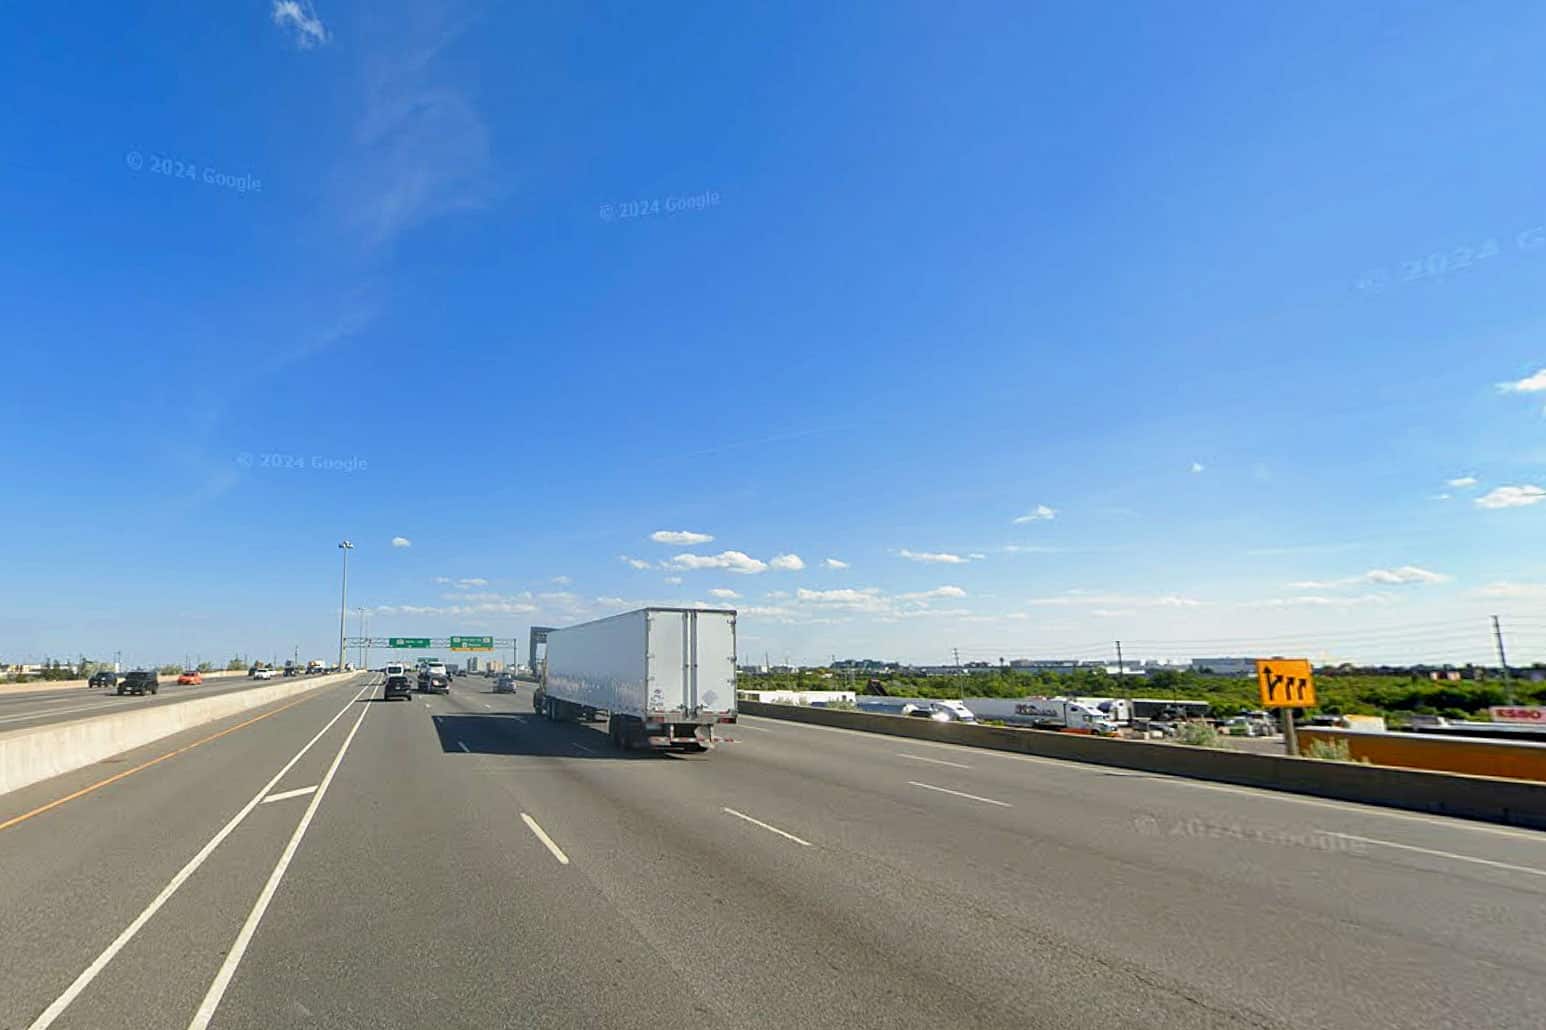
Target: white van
[396,670]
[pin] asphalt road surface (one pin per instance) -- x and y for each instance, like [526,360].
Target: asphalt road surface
[456,862]
[40,708]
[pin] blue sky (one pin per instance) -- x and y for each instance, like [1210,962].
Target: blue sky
[1227,295]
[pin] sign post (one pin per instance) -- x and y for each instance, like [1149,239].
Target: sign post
[1286,683]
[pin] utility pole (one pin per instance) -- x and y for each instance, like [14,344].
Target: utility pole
[960,676]
[1127,693]
[343,600]
[1508,682]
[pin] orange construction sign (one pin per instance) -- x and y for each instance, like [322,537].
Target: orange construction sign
[1285,682]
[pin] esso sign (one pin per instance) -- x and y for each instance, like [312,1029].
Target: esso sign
[1528,713]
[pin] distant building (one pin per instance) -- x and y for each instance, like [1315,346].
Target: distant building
[1225,666]
[472,663]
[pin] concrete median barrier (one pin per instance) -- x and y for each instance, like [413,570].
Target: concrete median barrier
[1493,799]
[28,756]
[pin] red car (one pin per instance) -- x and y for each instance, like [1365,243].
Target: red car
[191,678]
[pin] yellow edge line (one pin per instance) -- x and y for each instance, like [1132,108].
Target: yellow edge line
[144,765]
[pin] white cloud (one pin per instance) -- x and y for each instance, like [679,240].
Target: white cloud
[936,592]
[1040,513]
[724,593]
[867,600]
[309,30]
[1511,496]
[1198,466]
[976,557]
[1079,598]
[500,607]
[778,595]
[1463,481]
[1529,384]
[442,580]
[1405,575]
[1438,497]
[638,563]
[401,541]
[734,561]
[562,581]
[935,557]
[679,537]
[674,580]
[1525,591]
[786,562]
[833,563]
[471,581]
[1316,601]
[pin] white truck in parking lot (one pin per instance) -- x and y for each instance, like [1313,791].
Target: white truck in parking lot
[1053,713]
[664,677]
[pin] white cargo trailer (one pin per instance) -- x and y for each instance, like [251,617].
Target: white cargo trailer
[663,677]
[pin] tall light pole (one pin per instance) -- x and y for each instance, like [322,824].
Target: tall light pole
[343,601]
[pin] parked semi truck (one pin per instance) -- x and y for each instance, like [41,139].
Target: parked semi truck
[662,677]
[1053,713]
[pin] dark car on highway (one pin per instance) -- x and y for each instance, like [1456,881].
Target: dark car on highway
[139,682]
[105,678]
[505,684]
[397,686]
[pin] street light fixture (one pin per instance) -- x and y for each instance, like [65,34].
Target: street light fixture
[343,601]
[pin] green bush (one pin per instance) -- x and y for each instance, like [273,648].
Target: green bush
[1199,734]
[1328,751]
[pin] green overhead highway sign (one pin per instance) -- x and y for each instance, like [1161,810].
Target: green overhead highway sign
[472,643]
[407,641]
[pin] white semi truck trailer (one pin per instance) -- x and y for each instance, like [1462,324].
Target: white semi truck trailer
[661,677]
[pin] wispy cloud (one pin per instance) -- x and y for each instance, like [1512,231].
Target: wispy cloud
[401,541]
[1529,384]
[1318,601]
[934,557]
[1509,591]
[1040,513]
[786,562]
[1461,482]
[679,537]
[638,563]
[562,581]
[1511,496]
[1198,466]
[732,561]
[1082,598]
[1405,575]
[674,580]
[302,18]
[833,563]
[723,593]
[422,149]
[471,581]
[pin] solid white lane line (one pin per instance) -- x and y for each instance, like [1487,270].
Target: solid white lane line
[757,729]
[233,958]
[463,746]
[299,792]
[960,794]
[44,713]
[90,972]
[933,761]
[770,829]
[531,824]
[1260,793]
[582,747]
[1441,854]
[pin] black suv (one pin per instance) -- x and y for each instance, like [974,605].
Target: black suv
[139,682]
[397,686]
[105,678]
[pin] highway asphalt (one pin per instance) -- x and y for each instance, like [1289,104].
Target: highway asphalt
[454,861]
[25,711]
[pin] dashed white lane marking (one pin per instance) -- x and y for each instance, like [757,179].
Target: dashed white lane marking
[770,829]
[960,794]
[531,824]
